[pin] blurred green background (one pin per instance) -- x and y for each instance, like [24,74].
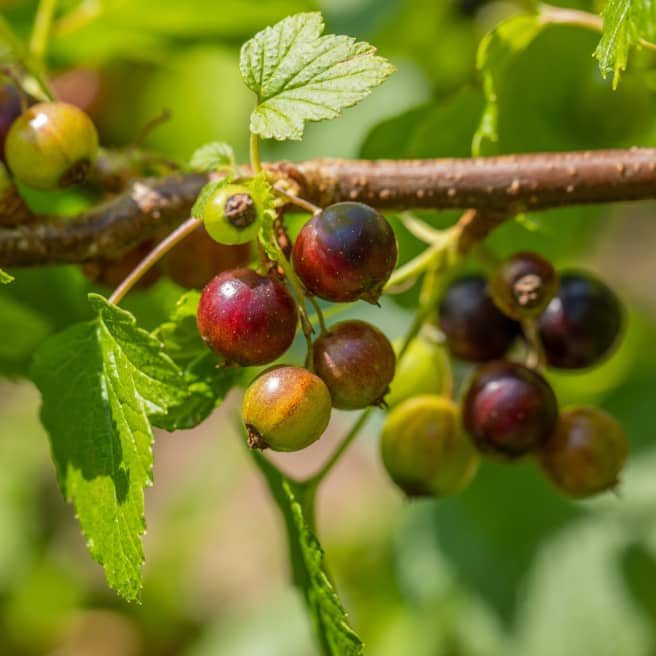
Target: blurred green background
[509,568]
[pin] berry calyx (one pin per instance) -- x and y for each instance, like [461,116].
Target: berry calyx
[356,361]
[523,285]
[10,109]
[198,258]
[286,409]
[231,216]
[475,329]
[51,145]
[345,252]
[585,453]
[423,369]
[247,318]
[581,325]
[509,409]
[424,449]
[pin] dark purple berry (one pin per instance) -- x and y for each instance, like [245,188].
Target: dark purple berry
[581,325]
[356,361]
[345,252]
[248,318]
[475,329]
[509,409]
[523,285]
[585,453]
[10,109]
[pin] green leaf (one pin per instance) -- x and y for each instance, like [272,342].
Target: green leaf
[100,382]
[213,156]
[626,22]
[329,619]
[299,75]
[207,380]
[495,52]
[5,278]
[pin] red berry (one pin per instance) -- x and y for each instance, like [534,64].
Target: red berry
[509,409]
[345,252]
[198,258]
[523,285]
[585,453]
[248,318]
[474,327]
[356,361]
[581,325]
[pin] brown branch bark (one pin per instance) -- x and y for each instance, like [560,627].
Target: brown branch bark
[498,186]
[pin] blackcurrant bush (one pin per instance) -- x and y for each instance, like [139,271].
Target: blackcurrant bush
[509,409]
[286,409]
[424,449]
[51,145]
[345,252]
[585,453]
[523,285]
[198,258]
[248,318]
[474,327]
[10,109]
[111,273]
[356,361]
[231,216]
[423,369]
[581,325]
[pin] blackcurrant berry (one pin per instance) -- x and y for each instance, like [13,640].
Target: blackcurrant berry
[248,318]
[51,145]
[509,409]
[585,453]
[10,109]
[582,323]
[286,409]
[523,285]
[474,327]
[424,449]
[423,369]
[356,361]
[198,258]
[345,252]
[111,273]
[231,216]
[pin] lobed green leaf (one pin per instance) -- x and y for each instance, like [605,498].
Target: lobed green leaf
[101,381]
[299,75]
[626,23]
[212,156]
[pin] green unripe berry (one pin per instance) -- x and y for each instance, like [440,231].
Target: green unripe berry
[286,409]
[51,146]
[423,369]
[424,448]
[231,215]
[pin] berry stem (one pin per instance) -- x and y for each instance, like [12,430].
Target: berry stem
[319,314]
[256,164]
[297,200]
[41,30]
[153,257]
[536,358]
[316,479]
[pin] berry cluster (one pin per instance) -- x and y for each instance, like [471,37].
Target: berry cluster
[571,321]
[343,253]
[429,445]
